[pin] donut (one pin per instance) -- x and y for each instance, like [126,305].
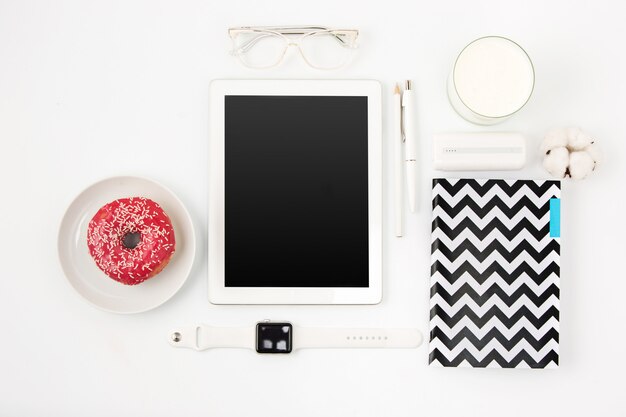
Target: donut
[131,239]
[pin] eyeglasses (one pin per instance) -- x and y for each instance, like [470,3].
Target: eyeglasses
[320,47]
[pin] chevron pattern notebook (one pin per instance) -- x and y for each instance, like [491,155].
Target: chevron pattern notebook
[495,272]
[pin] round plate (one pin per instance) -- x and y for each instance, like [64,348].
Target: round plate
[81,270]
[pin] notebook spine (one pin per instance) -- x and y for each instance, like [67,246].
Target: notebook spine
[434,309]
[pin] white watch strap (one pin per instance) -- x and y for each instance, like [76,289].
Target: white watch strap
[312,337]
[201,337]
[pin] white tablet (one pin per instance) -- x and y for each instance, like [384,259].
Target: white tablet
[295,192]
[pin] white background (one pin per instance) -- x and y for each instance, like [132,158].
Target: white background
[96,89]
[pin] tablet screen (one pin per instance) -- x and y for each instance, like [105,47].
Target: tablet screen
[296,191]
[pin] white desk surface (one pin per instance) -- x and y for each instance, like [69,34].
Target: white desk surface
[96,89]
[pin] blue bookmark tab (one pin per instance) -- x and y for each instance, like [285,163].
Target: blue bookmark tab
[555,217]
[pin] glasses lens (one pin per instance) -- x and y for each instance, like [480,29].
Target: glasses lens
[259,49]
[326,50]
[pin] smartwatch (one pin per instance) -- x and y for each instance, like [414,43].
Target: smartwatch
[283,337]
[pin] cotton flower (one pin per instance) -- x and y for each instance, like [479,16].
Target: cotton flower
[569,152]
[577,140]
[556,161]
[554,139]
[580,164]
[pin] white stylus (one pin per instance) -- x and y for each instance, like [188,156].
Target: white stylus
[397,145]
[410,137]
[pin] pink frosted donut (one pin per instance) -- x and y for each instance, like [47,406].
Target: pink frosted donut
[131,239]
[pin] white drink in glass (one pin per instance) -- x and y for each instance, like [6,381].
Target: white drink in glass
[492,78]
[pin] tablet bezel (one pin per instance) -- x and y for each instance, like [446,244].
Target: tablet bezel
[218,292]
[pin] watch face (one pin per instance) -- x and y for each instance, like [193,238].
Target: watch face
[273,337]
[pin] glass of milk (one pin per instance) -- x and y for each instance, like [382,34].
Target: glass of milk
[492,79]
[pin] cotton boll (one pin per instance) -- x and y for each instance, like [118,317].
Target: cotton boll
[594,151]
[580,164]
[570,152]
[571,132]
[554,139]
[556,161]
[578,141]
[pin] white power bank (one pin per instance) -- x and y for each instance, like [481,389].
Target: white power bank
[479,151]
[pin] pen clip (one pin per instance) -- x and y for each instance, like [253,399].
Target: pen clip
[402,134]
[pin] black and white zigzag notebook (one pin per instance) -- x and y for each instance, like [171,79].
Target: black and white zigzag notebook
[495,272]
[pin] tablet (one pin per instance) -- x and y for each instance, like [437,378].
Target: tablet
[295,192]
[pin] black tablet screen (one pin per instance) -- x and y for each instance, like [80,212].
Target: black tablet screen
[296,191]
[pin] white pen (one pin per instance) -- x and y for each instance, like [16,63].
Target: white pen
[410,137]
[397,139]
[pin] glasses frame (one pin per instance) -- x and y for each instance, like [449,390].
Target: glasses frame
[346,37]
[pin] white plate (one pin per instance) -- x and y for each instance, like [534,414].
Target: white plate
[81,270]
